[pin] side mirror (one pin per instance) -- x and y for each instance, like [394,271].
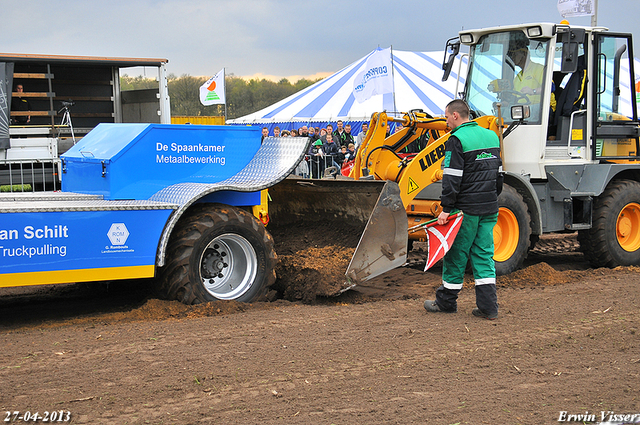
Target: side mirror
[451,49]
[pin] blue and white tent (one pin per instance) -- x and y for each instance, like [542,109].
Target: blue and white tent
[418,84]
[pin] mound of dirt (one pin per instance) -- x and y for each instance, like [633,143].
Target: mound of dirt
[313,259]
[311,273]
[535,275]
[155,309]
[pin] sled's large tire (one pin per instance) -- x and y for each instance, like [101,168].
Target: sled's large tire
[614,237]
[512,233]
[217,252]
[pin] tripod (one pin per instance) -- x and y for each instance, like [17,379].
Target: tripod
[66,118]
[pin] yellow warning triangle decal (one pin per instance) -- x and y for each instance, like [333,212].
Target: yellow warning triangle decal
[413,186]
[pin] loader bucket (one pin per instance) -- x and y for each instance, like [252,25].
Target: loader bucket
[297,199]
[372,207]
[383,245]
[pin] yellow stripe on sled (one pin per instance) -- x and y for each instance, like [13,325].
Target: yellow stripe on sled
[70,276]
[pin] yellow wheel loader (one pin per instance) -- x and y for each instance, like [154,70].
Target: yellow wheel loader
[562,100]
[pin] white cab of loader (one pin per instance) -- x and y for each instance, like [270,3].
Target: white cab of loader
[570,149]
[528,67]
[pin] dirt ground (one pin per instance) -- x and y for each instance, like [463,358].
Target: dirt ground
[567,340]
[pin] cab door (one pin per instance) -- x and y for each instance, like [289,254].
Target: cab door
[615,114]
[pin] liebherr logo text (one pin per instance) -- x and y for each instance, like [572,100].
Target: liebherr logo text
[432,157]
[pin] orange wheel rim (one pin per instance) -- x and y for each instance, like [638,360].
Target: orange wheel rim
[505,235]
[628,227]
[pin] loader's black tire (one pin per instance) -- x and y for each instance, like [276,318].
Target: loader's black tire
[614,237]
[512,234]
[212,235]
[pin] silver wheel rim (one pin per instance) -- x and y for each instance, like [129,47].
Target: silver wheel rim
[228,266]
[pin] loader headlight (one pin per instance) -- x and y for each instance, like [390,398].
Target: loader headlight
[466,38]
[520,112]
[533,32]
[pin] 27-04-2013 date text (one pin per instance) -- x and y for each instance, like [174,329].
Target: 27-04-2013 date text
[46,416]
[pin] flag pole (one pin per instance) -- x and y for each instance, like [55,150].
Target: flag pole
[224,84]
[393,81]
[432,222]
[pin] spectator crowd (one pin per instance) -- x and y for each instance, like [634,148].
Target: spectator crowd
[328,147]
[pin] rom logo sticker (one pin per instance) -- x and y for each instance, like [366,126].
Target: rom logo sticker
[118,234]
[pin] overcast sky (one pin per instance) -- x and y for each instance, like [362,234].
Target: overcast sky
[285,38]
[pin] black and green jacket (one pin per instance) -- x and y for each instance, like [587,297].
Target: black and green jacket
[472,177]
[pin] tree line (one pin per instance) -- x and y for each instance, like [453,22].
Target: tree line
[243,96]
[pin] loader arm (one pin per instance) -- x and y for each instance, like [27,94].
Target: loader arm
[380,158]
[384,243]
[425,169]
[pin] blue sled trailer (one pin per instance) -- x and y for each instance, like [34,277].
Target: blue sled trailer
[185,204]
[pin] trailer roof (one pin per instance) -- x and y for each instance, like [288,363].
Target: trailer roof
[82,60]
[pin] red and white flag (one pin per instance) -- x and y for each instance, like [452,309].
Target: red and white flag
[440,238]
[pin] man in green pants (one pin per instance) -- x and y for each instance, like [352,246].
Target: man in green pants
[472,182]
